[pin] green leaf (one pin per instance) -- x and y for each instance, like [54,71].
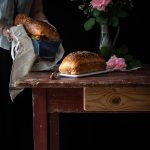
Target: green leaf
[114,21]
[86,11]
[81,7]
[100,20]
[122,51]
[122,14]
[96,13]
[134,63]
[128,58]
[89,24]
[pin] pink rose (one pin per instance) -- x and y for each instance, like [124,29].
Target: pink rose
[116,63]
[100,4]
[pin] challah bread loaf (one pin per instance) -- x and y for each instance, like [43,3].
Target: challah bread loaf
[80,62]
[37,28]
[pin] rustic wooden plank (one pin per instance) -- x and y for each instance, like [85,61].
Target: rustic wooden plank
[136,78]
[65,100]
[117,99]
[40,119]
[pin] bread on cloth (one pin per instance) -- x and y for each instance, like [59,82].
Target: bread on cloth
[80,62]
[36,28]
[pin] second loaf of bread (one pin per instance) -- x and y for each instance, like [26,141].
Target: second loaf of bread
[80,62]
[36,28]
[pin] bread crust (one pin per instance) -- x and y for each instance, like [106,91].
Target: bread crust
[37,28]
[80,62]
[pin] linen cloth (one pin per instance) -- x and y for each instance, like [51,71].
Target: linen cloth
[23,55]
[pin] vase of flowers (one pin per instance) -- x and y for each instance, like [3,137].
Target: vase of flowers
[105,13]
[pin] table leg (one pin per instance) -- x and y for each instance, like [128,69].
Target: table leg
[39,119]
[54,131]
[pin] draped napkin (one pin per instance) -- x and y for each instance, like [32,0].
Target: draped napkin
[23,55]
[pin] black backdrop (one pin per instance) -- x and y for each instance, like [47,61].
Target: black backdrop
[69,20]
[88,131]
[97,131]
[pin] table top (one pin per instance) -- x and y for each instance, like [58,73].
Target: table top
[140,77]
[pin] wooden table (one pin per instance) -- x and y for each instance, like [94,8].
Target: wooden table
[110,92]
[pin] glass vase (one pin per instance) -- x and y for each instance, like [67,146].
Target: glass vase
[105,44]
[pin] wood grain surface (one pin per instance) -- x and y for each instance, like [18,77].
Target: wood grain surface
[117,99]
[134,78]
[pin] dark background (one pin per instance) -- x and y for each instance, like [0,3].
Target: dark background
[69,21]
[102,131]
[88,131]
